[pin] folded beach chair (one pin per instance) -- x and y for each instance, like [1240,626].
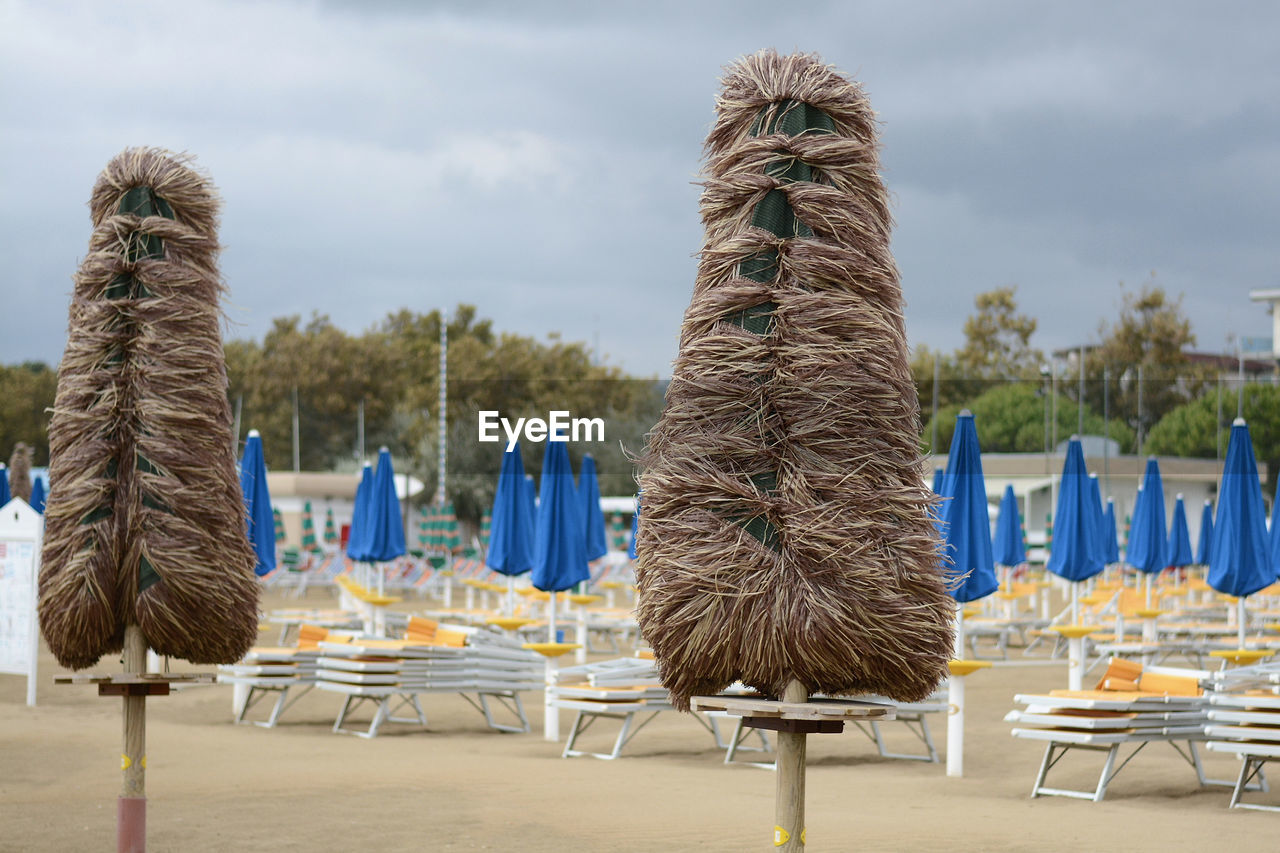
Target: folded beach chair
[1130,706]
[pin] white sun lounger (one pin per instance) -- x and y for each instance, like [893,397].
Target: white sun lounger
[1096,721]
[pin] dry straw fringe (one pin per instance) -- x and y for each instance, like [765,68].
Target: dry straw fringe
[145,523]
[20,471]
[786,529]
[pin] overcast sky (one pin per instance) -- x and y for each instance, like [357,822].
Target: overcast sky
[539,160]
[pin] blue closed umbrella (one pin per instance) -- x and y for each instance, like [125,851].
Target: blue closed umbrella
[1110,543]
[257,503]
[559,551]
[1099,516]
[1147,551]
[1008,548]
[511,528]
[361,517]
[592,515]
[1077,551]
[1179,548]
[37,495]
[938,477]
[1206,534]
[1239,559]
[635,529]
[386,532]
[5,497]
[966,528]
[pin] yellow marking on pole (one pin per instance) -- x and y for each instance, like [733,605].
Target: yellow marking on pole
[125,762]
[780,836]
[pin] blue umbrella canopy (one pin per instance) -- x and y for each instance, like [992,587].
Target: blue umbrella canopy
[5,497]
[592,515]
[1149,539]
[530,495]
[1100,515]
[511,528]
[386,539]
[1077,550]
[1110,544]
[362,517]
[635,529]
[257,503]
[1239,560]
[560,550]
[1273,532]
[1179,547]
[1008,547]
[966,529]
[938,477]
[1206,534]
[37,494]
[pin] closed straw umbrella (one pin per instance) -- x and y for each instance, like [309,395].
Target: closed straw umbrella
[144,541]
[786,539]
[20,472]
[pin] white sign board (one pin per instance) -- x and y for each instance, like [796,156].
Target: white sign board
[21,531]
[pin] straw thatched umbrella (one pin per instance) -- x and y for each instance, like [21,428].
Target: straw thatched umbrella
[146,525]
[145,540]
[786,532]
[20,472]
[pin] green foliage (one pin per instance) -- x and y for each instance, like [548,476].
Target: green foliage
[394,369]
[1194,429]
[1150,338]
[26,397]
[1010,418]
[997,339]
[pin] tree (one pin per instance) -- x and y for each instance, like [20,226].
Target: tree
[997,348]
[1010,418]
[1148,339]
[27,392]
[997,339]
[1194,430]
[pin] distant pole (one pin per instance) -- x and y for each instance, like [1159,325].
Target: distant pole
[1053,401]
[1080,402]
[360,432]
[235,437]
[1218,440]
[1140,435]
[1106,429]
[933,421]
[297,455]
[1240,393]
[443,403]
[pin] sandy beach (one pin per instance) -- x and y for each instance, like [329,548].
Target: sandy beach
[215,786]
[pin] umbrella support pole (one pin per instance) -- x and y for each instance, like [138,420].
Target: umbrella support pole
[511,595]
[788,832]
[131,808]
[1240,620]
[550,710]
[1075,663]
[955,726]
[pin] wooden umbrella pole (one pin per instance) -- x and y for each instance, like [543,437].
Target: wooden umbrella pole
[131,810]
[788,834]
